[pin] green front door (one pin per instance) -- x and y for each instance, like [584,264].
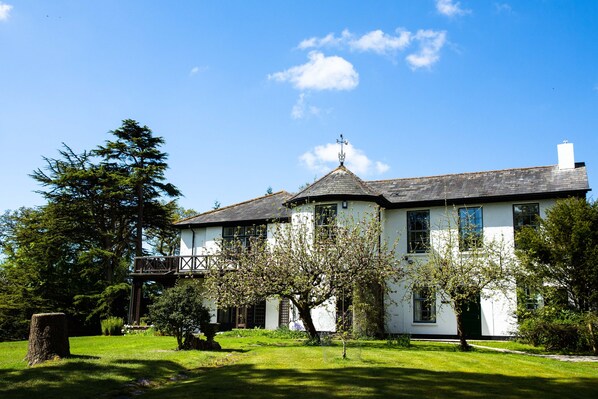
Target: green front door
[472,319]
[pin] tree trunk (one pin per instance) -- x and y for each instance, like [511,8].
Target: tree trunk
[344,347]
[463,345]
[592,337]
[308,323]
[139,227]
[48,338]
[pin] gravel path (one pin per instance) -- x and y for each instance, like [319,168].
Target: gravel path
[563,358]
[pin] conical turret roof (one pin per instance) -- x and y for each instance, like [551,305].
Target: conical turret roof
[339,184]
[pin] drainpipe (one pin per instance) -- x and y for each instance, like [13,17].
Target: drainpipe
[192,241]
[380,224]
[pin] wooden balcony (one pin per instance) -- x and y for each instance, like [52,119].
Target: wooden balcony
[171,265]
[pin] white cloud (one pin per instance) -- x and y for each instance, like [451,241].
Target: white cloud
[302,109]
[327,41]
[4,11]
[381,167]
[323,158]
[375,41]
[320,73]
[197,69]
[381,43]
[430,44]
[450,9]
[503,7]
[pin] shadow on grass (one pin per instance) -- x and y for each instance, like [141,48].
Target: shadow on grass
[83,357]
[378,344]
[228,350]
[247,381]
[81,377]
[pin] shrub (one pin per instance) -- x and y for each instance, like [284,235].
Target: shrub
[282,332]
[112,326]
[399,340]
[180,312]
[589,334]
[555,329]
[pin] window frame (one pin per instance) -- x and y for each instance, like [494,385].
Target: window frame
[242,234]
[420,246]
[472,230]
[530,219]
[325,225]
[424,302]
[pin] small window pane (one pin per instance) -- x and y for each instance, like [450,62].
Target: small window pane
[424,306]
[470,228]
[325,218]
[228,231]
[418,231]
[242,235]
[525,215]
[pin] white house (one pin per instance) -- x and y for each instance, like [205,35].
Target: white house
[412,210]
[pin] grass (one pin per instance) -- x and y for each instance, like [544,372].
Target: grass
[515,346]
[256,365]
[518,346]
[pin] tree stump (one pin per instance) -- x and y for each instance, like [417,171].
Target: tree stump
[48,338]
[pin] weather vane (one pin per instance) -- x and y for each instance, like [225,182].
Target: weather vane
[341,155]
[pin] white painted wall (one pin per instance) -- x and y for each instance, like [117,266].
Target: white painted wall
[497,310]
[272,309]
[206,240]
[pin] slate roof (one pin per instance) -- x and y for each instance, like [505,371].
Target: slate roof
[259,210]
[536,182]
[341,183]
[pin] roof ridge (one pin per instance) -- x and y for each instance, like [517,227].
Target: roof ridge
[319,180]
[462,173]
[362,182]
[342,175]
[211,211]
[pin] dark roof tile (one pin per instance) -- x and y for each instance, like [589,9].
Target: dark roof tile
[262,209]
[338,184]
[537,181]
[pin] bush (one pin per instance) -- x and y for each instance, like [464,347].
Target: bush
[180,312]
[399,340]
[112,326]
[140,330]
[589,334]
[556,329]
[280,333]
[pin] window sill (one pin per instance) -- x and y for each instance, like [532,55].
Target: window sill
[424,324]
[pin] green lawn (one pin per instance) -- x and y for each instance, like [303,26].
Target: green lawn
[262,367]
[518,346]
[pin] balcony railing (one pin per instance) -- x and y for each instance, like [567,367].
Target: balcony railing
[163,265]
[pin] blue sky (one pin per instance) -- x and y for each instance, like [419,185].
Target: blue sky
[254,94]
